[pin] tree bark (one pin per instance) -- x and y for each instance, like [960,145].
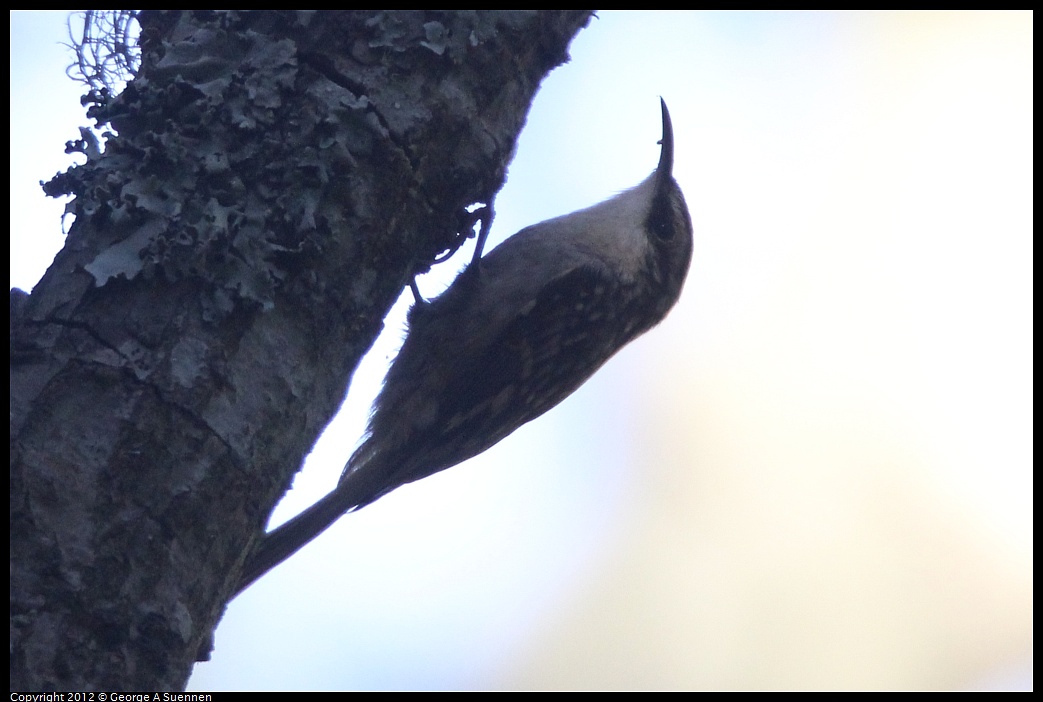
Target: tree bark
[277,179]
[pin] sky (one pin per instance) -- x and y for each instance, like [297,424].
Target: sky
[815,474]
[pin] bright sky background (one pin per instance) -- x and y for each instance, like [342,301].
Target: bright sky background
[816,473]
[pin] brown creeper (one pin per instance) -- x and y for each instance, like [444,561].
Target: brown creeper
[515,334]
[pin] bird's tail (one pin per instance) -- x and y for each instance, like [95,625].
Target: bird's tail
[356,489]
[288,538]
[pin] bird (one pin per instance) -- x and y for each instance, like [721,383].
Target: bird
[518,331]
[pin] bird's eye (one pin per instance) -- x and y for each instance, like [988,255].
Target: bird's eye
[661,219]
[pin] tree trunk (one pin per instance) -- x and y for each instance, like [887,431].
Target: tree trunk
[277,179]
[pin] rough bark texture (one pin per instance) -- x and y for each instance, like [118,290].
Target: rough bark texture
[277,179]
